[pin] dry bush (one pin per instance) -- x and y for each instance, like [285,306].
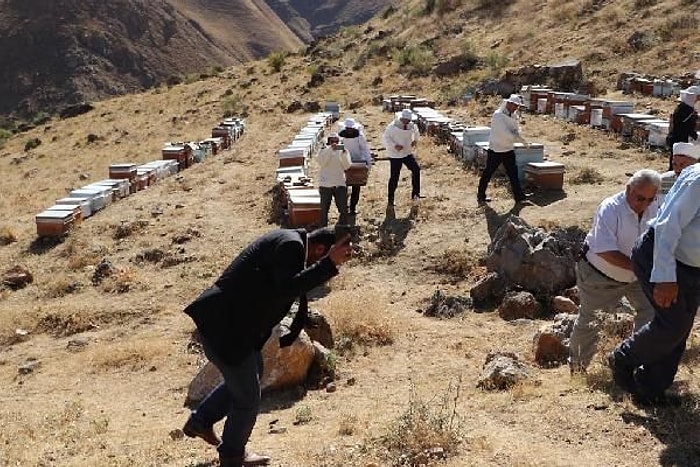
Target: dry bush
[359,319]
[121,282]
[587,175]
[347,425]
[81,255]
[458,264]
[7,236]
[134,356]
[62,286]
[59,324]
[429,430]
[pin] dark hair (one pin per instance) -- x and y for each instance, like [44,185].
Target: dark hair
[324,236]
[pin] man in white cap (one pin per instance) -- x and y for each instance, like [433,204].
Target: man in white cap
[400,138]
[505,132]
[666,261]
[604,274]
[683,120]
[683,155]
[356,144]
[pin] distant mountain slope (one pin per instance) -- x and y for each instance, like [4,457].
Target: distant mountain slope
[65,51]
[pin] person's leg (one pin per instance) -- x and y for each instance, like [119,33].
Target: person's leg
[243,384]
[354,198]
[643,308]
[395,172]
[412,165]
[340,193]
[597,292]
[512,172]
[326,195]
[493,160]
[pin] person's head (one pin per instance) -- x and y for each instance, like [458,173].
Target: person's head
[690,95]
[684,154]
[406,116]
[320,241]
[641,189]
[350,123]
[333,139]
[514,102]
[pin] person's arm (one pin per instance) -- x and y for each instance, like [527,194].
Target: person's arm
[616,258]
[388,139]
[514,129]
[324,156]
[345,160]
[298,322]
[364,149]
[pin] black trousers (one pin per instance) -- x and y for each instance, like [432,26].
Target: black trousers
[396,164]
[354,196]
[655,351]
[493,160]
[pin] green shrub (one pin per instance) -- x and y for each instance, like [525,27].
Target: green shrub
[32,144]
[233,106]
[276,60]
[5,134]
[496,61]
[417,59]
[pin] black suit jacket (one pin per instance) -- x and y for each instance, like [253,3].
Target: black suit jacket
[236,315]
[683,123]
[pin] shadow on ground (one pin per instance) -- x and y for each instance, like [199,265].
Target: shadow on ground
[677,427]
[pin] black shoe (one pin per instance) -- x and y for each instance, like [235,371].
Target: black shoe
[484,200]
[195,429]
[623,375]
[353,211]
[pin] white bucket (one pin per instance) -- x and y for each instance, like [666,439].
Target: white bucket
[596,117]
[542,105]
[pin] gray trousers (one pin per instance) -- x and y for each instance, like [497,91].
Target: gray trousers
[340,193]
[599,292]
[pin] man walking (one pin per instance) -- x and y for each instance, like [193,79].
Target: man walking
[400,139]
[333,161]
[505,132]
[604,274]
[667,264]
[235,317]
[683,120]
[356,144]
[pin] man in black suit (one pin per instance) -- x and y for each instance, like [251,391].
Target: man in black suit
[235,317]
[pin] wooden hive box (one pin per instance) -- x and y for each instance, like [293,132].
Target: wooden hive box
[545,175]
[119,171]
[224,134]
[107,192]
[76,208]
[357,174]
[54,223]
[96,197]
[84,203]
[303,207]
[525,155]
[120,187]
[177,153]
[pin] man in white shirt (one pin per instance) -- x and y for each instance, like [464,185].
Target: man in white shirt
[505,132]
[684,154]
[356,144]
[604,274]
[667,264]
[400,138]
[333,161]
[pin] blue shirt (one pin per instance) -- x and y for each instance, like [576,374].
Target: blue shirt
[677,227]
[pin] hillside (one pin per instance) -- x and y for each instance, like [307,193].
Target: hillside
[97,373]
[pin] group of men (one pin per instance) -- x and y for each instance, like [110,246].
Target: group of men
[643,245]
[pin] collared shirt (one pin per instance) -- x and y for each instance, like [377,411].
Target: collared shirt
[616,227]
[399,134]
[677,227]
[332,163]
[505,131]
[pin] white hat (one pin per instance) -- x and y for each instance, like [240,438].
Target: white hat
[516,99]
[687,149]
[350,123]
[406,114]
[693,90]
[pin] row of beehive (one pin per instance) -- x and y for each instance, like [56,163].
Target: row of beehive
[470,144]
[649,87]
[300,198]
[127,178]
[617,116]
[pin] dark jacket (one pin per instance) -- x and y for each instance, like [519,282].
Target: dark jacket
[236,314]
[683,121]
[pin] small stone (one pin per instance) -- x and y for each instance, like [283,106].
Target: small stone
[278,430]
[84,176]
[564,305]
[179,206]
[153,368]
[17,277]
[76,345]
[519,305]
[351,381]
[331,387]
[176,434]
[29,367]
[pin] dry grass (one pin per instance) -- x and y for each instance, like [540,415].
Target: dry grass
[131,356]
[7,236]
[359,320]
[587,175]
[458,264]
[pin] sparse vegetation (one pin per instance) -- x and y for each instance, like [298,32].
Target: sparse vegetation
[276,61]
[359,320]
[7,236]
[32,143]
[234,106]
[456,263]
[587,175]
[417,60]
[303,415]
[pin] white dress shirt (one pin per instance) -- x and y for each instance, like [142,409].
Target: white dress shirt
[396,134]
[505,131]
[677,227]
[616,227]
[332,163]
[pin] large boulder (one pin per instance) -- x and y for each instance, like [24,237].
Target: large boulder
[519,305]
[490,289]
[564,305]
[319,329]
[283,367]
[551,343]
[502,371]
[537,261]
[456,64]
[565,76]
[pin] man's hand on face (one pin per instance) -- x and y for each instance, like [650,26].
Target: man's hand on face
[398,147]
[665,294]
[341,251]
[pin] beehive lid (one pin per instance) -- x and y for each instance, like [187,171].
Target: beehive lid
[54,215]
[546,167]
